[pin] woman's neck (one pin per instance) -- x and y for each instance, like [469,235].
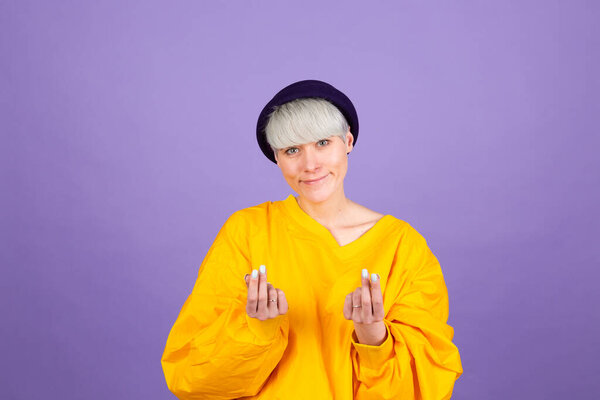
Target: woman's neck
[329,213]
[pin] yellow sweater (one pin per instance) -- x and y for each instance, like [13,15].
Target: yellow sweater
[215,351]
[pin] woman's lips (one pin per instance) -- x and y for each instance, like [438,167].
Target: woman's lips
[314,181]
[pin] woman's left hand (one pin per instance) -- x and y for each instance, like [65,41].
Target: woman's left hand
[364,306]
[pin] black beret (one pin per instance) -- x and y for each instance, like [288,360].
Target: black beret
[304,89]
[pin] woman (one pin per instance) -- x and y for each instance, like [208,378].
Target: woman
[284,306]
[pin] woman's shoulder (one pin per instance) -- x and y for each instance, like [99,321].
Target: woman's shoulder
[255,215]
[362,213]
[367,216]
[246,222]
[371,217]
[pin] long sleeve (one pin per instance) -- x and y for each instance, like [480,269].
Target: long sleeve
[418,359]
[214,350]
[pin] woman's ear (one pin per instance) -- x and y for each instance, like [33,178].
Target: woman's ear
[349,141]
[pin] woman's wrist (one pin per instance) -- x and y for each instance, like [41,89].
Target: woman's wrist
[371,334]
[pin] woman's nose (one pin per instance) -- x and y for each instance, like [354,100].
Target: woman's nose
[310,160]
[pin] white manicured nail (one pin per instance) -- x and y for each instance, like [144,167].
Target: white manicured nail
[365,274]
[374,277]
[254,273]
[262,269]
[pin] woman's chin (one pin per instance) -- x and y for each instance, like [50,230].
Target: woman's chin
[315,196]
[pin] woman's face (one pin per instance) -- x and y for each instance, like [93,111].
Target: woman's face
[316,170]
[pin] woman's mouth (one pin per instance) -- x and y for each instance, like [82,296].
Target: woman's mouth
[314,181]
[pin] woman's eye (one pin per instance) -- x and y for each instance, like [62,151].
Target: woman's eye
[324,141]
[291,150]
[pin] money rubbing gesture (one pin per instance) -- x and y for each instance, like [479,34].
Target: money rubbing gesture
[264,301]
[364,306]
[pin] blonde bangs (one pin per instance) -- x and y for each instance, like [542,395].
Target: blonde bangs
[303,121]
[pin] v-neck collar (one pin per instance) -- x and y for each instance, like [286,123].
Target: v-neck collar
[292,208]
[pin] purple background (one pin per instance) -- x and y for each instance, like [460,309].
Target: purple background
[128,139]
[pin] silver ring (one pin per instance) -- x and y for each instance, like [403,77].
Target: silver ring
[356,306]
[274,301]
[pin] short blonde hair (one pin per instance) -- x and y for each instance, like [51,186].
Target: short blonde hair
[303,121]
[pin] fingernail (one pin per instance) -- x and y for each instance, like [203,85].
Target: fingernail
[374,277]
[254,274]
[365,274]
[263,269]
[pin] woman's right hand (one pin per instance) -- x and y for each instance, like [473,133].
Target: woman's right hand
[261,294]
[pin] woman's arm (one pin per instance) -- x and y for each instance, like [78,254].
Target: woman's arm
[215,350]
[417,359]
